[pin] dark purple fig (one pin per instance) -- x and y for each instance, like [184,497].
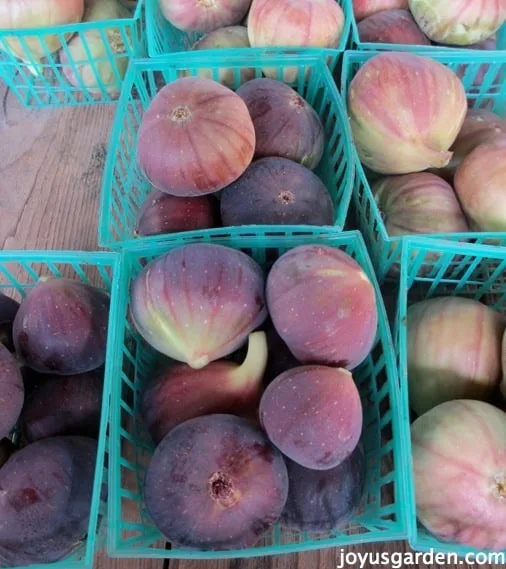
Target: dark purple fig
[277,191]
[46,491]
[215,483]
[67,405]
[181,392]
[280,358]
[12,392]
[199,302]
[163,213]
[285,124]
[61,327]
[8,310]
[323,500]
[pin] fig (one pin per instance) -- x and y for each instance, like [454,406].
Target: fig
[365,8]
[459,468]
[61,327]
[454,351]
[323,306]
[231,37]
[391,26]
[8,310]
[215,483]
[195,138]
[203,15]
[480,183]
[162,213]
[182,393]
[313,415]
[199,302]
[277,191]
[12,392]
[68,405]
[285,124]
[405,111]
[324,500]
[459,22]
[46,499]
[280,358]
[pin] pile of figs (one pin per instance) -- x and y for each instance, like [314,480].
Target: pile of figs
[255,416]
[457,390]
[52,352]
[218,157]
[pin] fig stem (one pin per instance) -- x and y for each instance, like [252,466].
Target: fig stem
[253,367]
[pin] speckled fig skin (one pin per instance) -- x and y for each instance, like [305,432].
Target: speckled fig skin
[364,8]
[323,500]
[61,327]
[8,310]
[392,26]
[46,499]
[199,302]
[313,415]
[433,104]
[180,393]
[12,391]
[459,468]
[323,306]
[195,138]
[204,15]
[215,483]
[277,191]
[285,124]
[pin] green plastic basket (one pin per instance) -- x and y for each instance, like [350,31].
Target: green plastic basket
[19,272]
[381,517]
[163,38]
[491,95]
[42,83]
[431,268]
[124,187]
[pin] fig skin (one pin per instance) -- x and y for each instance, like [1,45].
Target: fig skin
[8,310]
[365,8]
[64,405]
[324,500]
[459,468]
[199,302]
[392,26]
[323,306]
[215,483]
[285,124]
[12,391]
[182,393]
[162,213]
[313,415]
[44,517]
[277,191]
[61,327]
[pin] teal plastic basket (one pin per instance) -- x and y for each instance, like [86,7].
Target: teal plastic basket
[19,272]
[124,187]
[491,95]
[381,517]
[40,84]
[431,268]
[163,38]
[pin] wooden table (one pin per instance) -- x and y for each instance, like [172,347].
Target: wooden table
[50,172]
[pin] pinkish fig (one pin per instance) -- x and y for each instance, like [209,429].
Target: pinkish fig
[365,8]
[391,26]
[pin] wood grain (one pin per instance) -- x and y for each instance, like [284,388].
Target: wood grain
[50,174]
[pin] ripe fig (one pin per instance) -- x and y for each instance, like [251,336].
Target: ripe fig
[392,26]
[285,124]
[181,392]
[324,500]
[8,310]
[67,405]
[323,306]
[46,498]
[61,327]
[11,391]
[277,191]
[365,8]
[215,483]
[199,302]
[313,414]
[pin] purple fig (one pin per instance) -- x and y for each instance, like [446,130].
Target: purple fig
[61,327]
[199,302]
[181,392]
[8,310]
[12,392]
